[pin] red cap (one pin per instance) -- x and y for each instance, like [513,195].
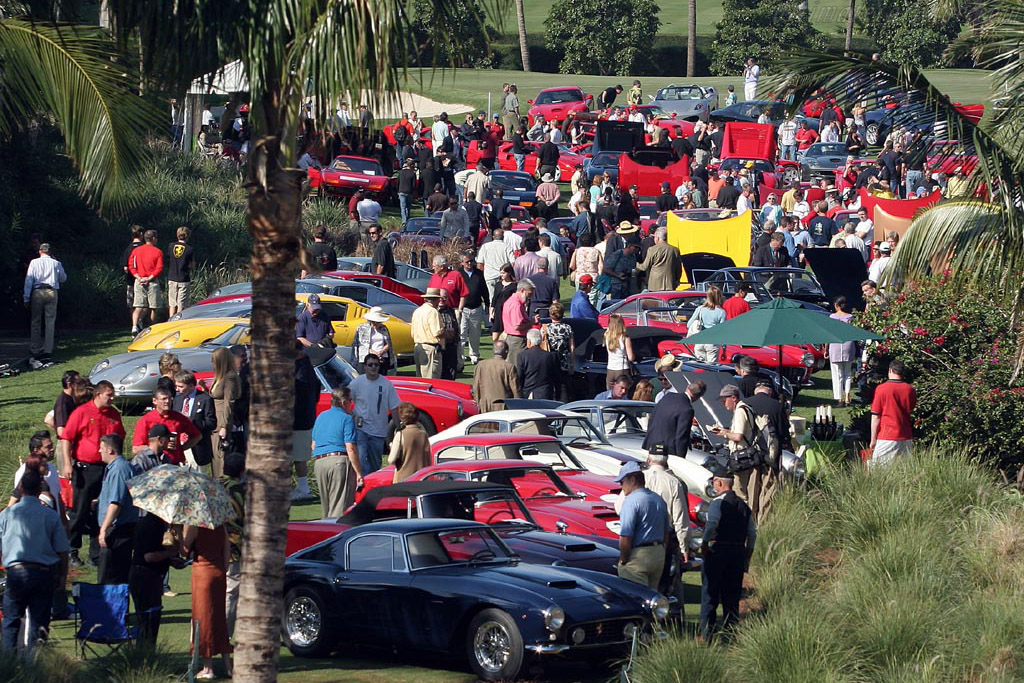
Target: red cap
[587,279]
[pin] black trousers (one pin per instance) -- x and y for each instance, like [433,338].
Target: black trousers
[86,482]
[722,584]
[450,359]
[147,588]
[116,559]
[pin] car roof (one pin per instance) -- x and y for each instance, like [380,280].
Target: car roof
[492,439]
[508,172]
[356,156]
[477,465]
[608,403]
[563,87]
[513,415]
[752,269]
[401,526]
[666,294]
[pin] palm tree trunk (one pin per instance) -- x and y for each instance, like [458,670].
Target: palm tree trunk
[274,223]
[849,26]
[691,39]
[524,50]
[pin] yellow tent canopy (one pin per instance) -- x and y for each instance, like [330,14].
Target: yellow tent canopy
[726,236]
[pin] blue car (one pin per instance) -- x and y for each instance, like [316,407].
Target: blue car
[603,162]
[452,586]
[518,187]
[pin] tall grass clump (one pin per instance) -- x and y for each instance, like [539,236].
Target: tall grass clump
[912,572]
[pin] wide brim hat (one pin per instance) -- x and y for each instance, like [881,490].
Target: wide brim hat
[667,363]
[626,228]
[547,178]
[377,315]
[432,293]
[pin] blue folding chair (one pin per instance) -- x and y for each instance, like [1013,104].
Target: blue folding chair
[101,617]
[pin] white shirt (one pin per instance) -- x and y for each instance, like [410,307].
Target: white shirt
[763,118]
[866,230]
[829,135]
[751,74]
[344,120]
[207,117]
[373,401]
[743,204]
[877,268]
[368,210]
[801,209]
[44,271]
[51,481]
[556,135]
[514,241]
[554,261]
[438,132]
[787,133]
[854,242]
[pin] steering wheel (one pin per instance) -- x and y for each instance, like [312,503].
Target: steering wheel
[579,440]
[482,554]
[497,513]
[546,491]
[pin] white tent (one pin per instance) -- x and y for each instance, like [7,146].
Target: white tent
[227,80]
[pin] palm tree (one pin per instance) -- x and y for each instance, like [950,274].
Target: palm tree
[849,25]
[691,39]
[524,49]
[65,73]
[977,241]
[288,48]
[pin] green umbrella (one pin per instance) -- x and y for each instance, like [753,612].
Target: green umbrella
[779,322]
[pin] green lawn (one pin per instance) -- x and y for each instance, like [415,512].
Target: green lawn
[828,16]
[471,87]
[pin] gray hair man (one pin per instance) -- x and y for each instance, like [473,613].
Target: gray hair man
[537,369]
[514,319]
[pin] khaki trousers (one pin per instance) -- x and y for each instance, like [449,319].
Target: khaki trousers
[337,483]
[44,316]
[428,361]
[645,566]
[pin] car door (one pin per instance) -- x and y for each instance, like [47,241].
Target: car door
[373,583]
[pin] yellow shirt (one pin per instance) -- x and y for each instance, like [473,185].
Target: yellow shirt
[788,201]
[426,325]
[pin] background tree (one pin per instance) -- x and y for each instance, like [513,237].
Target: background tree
[524,49]
[763,29]
[603,38]
[691,38]
[288,48]
[909,32]
[460,40]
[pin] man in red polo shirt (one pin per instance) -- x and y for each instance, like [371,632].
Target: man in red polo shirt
[446,278]
[81,462]
[146,264]
[891,428]
[188,434]
[737,304]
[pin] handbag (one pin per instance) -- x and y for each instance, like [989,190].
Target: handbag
[694,324]
[752,455]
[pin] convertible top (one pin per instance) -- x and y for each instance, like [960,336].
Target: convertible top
[363,511]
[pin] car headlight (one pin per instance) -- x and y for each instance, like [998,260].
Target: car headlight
[709,488]
[702,511]
[554,617]
[100,367]
[658,606]
[170,339]
[808,359]
[135,375]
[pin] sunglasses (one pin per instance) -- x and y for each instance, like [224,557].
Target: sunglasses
[371,365]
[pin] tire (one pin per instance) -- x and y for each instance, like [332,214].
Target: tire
[791,174]
[494,646]
[872,133]
[306,628]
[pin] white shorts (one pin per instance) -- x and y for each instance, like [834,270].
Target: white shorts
[886,451]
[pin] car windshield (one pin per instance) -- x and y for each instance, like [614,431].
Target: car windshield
[236,334]
[490,507]
[456,546]
[422,226]
[547,452]
[559,96]
[357,165]
[337,372]
[529,482]
[684,92]
[606,159]
[511,182]
[565,428]
[625,420]
[653,110]
[786,282]
[691,215]
[733,163]
[835,148]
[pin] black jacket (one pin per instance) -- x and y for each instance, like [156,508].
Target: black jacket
[407,181]
[767,257]
[727,196]
[478,295]
[204,417]
[548,154]
[538,373]
[766,406]
[670,424]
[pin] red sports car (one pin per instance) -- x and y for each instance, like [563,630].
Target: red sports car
[567,160]
[346,174]
[554,104]
[671,310]
[383,281]
[648,167]
[744,143]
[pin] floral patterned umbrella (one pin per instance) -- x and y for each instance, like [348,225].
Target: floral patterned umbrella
[180,495]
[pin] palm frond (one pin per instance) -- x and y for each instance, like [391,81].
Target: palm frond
[67,71]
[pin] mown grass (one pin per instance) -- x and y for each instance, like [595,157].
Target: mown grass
[908,573]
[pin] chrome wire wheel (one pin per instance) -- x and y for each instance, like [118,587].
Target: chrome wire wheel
[304,621]
[492,646]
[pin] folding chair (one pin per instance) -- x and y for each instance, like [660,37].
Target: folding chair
[101,617]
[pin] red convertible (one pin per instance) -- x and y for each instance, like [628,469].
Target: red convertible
[671,310]
[567,159]
[554,104]
[383,281]
[346,174]
[745,143]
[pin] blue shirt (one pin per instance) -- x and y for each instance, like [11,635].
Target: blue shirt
[313,330]
[31,532]
[115,490]
[644,517]
[332,430]
[581,306]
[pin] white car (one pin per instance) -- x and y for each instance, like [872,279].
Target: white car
[580,436]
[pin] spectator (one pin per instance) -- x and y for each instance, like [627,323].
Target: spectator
[581,306]
[374,398]
[180,260]
[773,254]
[231,480]
[662,264]
[146,265]
[751,75]
[313,327]
[451,281]
[198,407]
[188,435]
[492,256]
[126,258]
[545,239]
[618,268]
[324,257]
[645,519]
[618,391]
[537,369]
[209,550]
[151,560]
[374,337]
[545,292]
[42,283]
[307,392]
[620,349]
[410,447]
[548,194]
[454,222]
[339,473]
[891,427]
[506,287]
[877,270]
[842,356]
[368,210]
[478,301]
[406,188]
[528,262]
[495,380]
[707,315]
[118,513]
[224,392]
[558,339]
[737,303]
[426,335]
[451,352]
[514,320]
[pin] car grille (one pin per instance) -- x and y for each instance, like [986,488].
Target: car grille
[794,375]
[603,632]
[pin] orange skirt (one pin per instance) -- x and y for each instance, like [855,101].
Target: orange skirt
[209,606]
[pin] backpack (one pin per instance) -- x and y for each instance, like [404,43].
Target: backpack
[763,448]
[401,134]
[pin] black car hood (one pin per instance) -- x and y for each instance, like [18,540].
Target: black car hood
[840,272]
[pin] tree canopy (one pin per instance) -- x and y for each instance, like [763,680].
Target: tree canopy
[763,29]
[913,33]
[607,38]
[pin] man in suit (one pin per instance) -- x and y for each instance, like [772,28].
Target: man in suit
[197,406]
[537,369]
[495,379]
[662,264]
[672,419]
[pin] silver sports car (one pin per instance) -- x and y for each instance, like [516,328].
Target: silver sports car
[689,102]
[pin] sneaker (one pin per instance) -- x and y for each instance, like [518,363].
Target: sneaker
[135,331]
[75,561]
[170,594]
[302,495]
[35,363]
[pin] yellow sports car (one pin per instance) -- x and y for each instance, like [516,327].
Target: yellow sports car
[346,315]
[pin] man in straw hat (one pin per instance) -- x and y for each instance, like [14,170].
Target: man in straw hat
[426,335]
[548,195]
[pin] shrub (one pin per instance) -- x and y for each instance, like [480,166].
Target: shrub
[957,344]
[608,38]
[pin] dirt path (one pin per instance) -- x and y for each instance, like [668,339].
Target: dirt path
[423,106]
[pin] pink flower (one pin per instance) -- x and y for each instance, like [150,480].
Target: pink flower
[940,340]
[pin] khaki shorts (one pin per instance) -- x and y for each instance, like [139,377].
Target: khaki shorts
[302,445]
[150,295]
[177,293]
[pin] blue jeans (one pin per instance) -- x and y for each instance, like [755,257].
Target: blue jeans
[789,152]
[403,203]
[915,179]
[371,451]
[520,161]
[29,592]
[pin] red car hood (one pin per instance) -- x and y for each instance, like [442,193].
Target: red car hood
[583,516]
[448,387]
[749,140]
[222,299]
[304,534]
[593,485]
[556,111]
[334,177]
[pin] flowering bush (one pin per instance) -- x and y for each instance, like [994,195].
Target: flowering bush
[959,349]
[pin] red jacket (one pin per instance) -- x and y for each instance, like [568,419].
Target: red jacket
[147,260]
